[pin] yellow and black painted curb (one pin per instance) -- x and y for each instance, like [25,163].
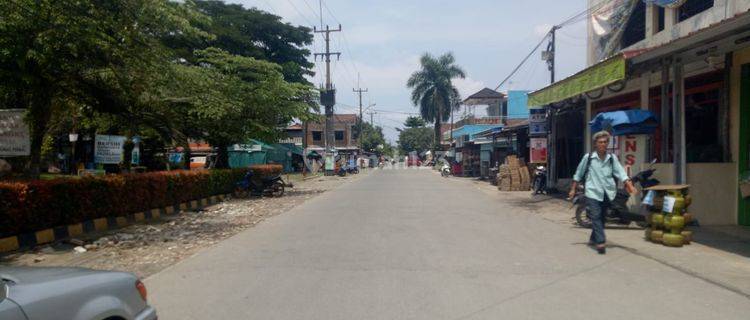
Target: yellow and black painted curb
[32,239]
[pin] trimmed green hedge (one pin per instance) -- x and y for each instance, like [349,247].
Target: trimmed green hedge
[38,205]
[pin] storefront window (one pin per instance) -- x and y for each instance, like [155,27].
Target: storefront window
[704,109]
[693,7]
[635,29]
[702,131]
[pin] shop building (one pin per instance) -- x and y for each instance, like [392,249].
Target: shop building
[687,62]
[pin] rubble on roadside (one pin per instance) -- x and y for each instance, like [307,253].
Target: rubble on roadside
[147,248]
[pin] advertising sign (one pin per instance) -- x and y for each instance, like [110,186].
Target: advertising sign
[175,157]
[14,134]
[330,163]
[135,157]
[108,149]
[538,150]
[537,121]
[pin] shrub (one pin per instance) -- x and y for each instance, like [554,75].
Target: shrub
[37,205]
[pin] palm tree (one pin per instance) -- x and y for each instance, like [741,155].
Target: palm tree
[432,90]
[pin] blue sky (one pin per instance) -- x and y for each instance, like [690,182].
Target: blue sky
[382,41]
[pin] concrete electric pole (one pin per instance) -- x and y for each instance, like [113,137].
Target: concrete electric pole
[328,94]
[359,123]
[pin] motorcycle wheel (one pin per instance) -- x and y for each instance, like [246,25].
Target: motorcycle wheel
[277,189]
[582,218]
[241,193]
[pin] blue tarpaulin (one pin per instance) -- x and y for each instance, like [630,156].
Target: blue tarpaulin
[620,123]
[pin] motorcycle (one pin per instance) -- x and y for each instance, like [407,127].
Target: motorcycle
[269,186]
[618,212]
[540,179]
[352,169]
[445,171]
[343,170]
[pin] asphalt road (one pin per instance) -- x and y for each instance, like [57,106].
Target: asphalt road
[408,244]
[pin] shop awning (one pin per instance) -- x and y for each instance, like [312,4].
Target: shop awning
[594,77]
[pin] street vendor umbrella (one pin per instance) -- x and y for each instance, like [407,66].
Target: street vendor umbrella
[620,123]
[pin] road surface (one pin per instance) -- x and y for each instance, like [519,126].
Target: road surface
[408,244]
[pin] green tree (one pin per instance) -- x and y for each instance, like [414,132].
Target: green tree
[372,138]
[432,89]
[59,55]
[251,33]
[416,139]
[234,98]
[414,122]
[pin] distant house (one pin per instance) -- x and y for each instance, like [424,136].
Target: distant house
[294,135]
[344,135]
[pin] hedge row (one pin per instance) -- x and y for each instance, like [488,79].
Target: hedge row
[37,205]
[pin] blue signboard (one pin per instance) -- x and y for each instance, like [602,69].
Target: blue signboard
[537,121]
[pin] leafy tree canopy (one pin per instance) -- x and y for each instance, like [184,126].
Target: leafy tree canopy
[414,122]
[251,33]
[432,89]
[415,139]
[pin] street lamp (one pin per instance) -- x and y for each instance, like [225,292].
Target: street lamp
[73,137]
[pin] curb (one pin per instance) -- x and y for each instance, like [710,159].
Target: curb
[32,239]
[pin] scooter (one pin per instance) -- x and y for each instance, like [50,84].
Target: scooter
[271,186]
[617,212]
[445,171]
[343,170]
[540,179]
[352,169]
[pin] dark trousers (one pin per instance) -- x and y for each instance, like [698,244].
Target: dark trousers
[597,212]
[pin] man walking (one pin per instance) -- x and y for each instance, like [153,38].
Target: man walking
[597,172]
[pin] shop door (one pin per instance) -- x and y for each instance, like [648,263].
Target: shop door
[744,157]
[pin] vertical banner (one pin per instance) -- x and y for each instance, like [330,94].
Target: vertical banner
[108,149]
[135,157]
[538,149]
[14,134]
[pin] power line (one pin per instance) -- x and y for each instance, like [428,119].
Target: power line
[346,42]
[523,61]
[300,13]
[574,19]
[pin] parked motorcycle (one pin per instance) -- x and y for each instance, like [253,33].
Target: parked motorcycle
[342,170]
[445,171]
[618,212]
[268,186]
[352,169]
[540,179]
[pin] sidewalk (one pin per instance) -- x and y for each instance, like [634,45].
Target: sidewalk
[719,255]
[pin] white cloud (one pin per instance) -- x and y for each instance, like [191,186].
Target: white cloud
[468,86]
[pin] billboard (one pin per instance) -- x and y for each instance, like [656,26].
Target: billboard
[14,134]
[108,149]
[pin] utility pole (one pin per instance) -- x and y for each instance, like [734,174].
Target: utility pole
[371,113]
[359,123]
[551,54]
[328,94]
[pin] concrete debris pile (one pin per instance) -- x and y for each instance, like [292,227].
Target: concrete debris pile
[513,175]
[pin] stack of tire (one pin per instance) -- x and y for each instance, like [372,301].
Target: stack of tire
[668,228]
